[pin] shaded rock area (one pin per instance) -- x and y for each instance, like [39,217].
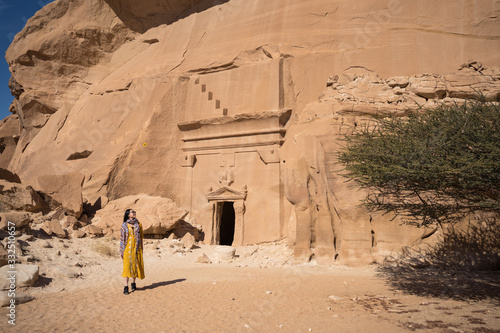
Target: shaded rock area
[362,92]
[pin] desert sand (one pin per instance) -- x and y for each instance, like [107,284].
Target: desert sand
[260,290]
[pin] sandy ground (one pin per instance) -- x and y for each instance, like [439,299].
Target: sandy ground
[80,290]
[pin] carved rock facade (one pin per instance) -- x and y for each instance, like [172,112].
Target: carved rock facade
[214,105]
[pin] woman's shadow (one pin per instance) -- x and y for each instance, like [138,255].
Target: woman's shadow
[160,284]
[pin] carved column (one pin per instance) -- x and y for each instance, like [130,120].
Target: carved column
[239,212]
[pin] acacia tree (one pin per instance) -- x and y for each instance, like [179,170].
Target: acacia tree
[435,165]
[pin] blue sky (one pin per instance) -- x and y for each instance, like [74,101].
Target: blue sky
[13,17]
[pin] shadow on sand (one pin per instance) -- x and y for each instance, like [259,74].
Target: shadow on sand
[464,265]
[444,283]
[43,281]
[160,284]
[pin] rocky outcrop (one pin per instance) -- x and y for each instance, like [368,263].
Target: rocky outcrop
[361,92]
[115,78]
[105,87]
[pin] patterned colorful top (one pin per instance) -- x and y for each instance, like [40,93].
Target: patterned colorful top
[124,234]
[133,263]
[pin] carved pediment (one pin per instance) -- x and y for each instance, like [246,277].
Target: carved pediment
[226,194]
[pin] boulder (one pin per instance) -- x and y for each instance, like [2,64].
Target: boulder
[188,241]
[110,233]
[398,81]
[66,189]
[20,248]
[55,214]
[69,222]
[93,230]
[156,214]
[25,276]
[53,227]
[79,234]
[203,259]
[26,238]
[12,248]
[181,228]
[428,86]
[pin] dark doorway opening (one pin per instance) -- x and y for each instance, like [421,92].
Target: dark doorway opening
[227,224]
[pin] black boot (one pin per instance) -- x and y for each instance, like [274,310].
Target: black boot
[125,290]
[133,287]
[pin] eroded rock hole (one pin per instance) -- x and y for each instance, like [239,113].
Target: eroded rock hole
[79,155]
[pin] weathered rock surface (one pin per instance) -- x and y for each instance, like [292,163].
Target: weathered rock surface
[157,215]
[184,99]
[93,230]
[15,196]
[203,259]
[19,220]
[65,189]
[79,234]
[188,241]
[10,129]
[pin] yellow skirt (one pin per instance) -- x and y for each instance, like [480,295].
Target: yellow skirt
[133,264]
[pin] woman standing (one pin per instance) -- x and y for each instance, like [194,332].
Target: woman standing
[131,250]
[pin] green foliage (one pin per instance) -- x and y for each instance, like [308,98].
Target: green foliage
[436,165]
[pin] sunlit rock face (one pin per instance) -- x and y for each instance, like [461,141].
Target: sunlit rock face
[223,106]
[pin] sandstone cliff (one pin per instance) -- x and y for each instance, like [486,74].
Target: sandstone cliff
[102,87]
